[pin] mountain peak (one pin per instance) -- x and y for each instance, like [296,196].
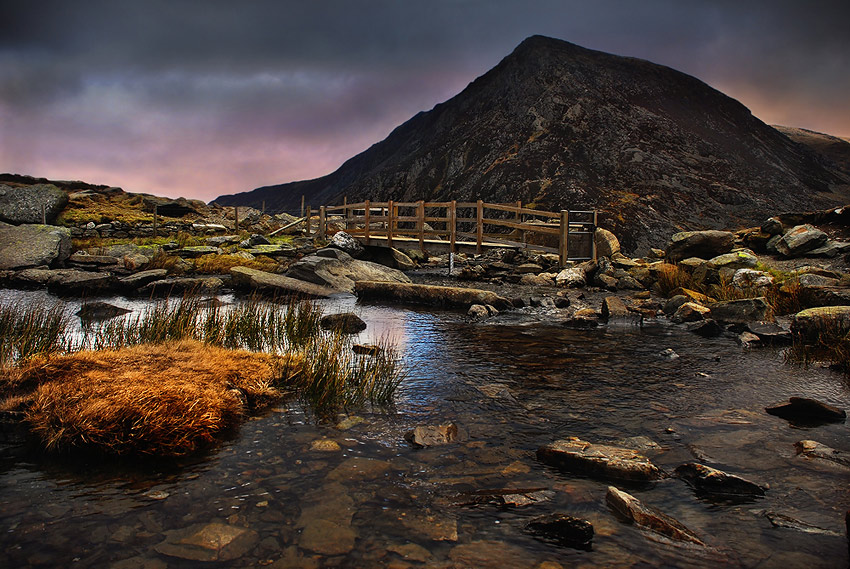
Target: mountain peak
[566,127]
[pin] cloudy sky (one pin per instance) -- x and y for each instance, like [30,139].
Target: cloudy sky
[211,97]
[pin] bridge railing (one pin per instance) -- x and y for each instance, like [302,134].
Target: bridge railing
[464,225]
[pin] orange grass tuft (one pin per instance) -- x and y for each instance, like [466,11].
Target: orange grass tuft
[167,400]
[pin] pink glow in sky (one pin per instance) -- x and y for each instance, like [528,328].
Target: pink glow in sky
[173,99]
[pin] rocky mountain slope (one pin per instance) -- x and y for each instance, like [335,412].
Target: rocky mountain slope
[564,127]
[834,148]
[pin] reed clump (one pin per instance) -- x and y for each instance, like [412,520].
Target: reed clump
[221,264]
[168,381]
[825,341]
[167,399]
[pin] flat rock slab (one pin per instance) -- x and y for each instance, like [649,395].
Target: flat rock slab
[281,250]
[208,542]
[708,480]
[342,274]
[25,246]
[198,251]
[614,311]
[632,509]
[142,278]
[582,457]
[67,281]
[261,280]
[433,295]
[741,311]
[807,410]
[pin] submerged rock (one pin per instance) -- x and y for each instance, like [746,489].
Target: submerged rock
[778,520]
[614,311]
[807,410]
[432,435]
[708,480]
[582,457]
[814,449]
[208,542]
[100,311]
[632,509]
[562,529]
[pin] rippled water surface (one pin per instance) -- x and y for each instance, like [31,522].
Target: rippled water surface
[511,385]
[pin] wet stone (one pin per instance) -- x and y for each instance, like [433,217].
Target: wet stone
[562,529]
[208,542]
[816,450]
[806,410]
[359,468]
[411,551]
[327,537]
[582,457]
[346,322]
[710,481]
[779,520]
[491,555]
[432,525]
[632,509]
[432,435]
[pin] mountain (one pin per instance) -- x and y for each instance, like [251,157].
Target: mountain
[836,149]
[564,127]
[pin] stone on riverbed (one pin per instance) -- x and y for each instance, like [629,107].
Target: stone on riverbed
[614,311]
[345,322]
[261,280]
[710,481]
[741,311]
[814,449]
[432,435]
[208,542]
[429,294]
[582,457]
[690,312]
[93,311]
[807,410]
[632,509]
[562,529]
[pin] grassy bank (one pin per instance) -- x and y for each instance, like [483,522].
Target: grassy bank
[169,380]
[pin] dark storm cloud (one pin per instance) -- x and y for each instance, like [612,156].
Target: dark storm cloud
[233,95]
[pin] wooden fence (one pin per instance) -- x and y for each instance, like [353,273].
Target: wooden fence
[458,226]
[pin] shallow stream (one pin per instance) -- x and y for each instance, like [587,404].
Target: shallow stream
[511,384]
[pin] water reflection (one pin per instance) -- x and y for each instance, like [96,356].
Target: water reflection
[512,387]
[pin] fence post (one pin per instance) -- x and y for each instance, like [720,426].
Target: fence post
[302,206]
[420,222]
[155,215]
[322,227]
[479,226]
[453,224]
[307,220]
[593,237]
[345,210]
[368,221]
[390,222]
[564,238]
[263,211]
[43,215]
[236,216]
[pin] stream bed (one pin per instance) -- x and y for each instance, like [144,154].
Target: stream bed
[290,491]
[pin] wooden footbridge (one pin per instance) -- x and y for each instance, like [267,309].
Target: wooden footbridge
[462,227]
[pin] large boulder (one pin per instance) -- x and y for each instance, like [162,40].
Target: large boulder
[345,242]
[800,240]
[40,203]
[26,246]
[582,457]
[444,296]
[741,311]
[341,274]
[65,281]
[702,244]
[810,323]
[606,243]
[244,277]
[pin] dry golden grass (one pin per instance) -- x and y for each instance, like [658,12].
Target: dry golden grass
[221,264]
[166,400]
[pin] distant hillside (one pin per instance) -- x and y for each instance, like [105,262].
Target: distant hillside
[832,147]
[561,126]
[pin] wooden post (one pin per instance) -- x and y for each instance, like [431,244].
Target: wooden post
[302,207]
[263,211]
[390,222]
[420,223]
[155,215]
[479,226]
[518,219]
[345,210]
[453,224]
[564,238]
[236,215]
[593,237]
[368,221]
[43,215]
[307,220]
[322,227]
